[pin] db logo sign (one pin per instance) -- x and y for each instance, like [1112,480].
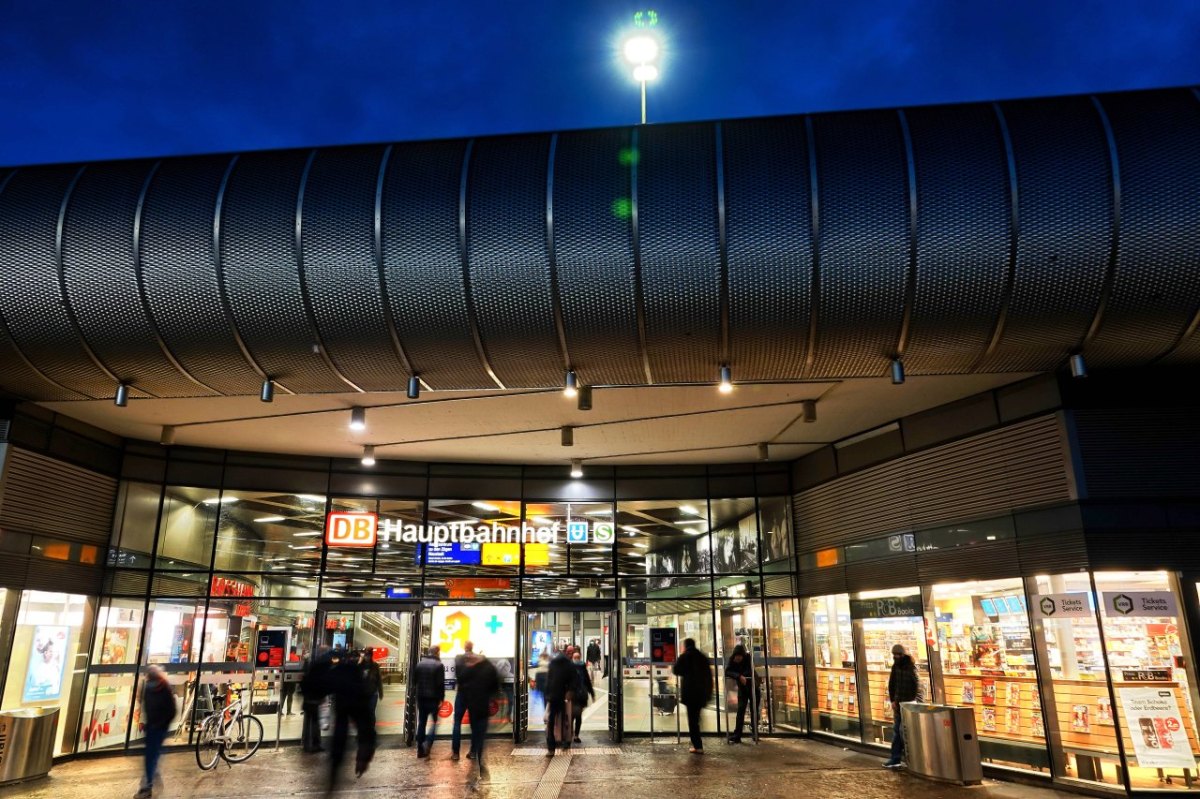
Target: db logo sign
[351,529]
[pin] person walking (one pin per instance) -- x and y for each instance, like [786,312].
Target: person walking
[352,699]
[583,692]
[695,688]
[560,688]
[313,690]
[593,657]
[460,705]
[739,674]
[430,679]
[374,684]
[158,711]
[903,686]
[479,683]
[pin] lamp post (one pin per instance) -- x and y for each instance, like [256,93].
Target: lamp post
[641,51]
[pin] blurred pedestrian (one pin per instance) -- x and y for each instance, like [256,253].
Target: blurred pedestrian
[351,703]
[583,692]
[430,681]
[158,711]
[460,707]
[695,688]
[739,675]
[560,689]
[314,688]
[479,685]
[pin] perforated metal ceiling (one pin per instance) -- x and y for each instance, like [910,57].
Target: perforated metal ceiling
[976,238]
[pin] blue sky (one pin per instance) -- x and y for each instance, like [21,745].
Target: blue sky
[110,79]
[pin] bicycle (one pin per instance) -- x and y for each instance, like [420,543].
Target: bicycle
[228,734]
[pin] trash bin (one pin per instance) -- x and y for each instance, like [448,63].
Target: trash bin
[940,742]
[27,743]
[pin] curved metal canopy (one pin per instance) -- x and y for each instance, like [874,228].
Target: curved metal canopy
[995,237]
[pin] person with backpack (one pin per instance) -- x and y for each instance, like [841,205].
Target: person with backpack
[158,711]
[903,686]
[560,689]
[583,692]
[430,680]
[695,688]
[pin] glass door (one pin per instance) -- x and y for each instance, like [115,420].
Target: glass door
[580,636]
[382,634]
[885,619]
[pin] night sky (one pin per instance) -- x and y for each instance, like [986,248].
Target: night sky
[96,79]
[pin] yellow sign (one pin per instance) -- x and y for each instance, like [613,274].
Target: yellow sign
[501,554]
[537,555]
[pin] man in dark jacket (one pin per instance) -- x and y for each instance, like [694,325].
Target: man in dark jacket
[583,692]
[695,688]
[430,680]
[560,685]
[352,696]
[314,688]
[903,686]
[478,684]
[739,674]
[158,711]
[593,655]
[460,707]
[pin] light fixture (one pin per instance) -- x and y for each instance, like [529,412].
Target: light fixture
[629,528]
[691,521]
[265,519]
[726,384]
[268,391]
[414,387]
[358,418]
[689,509]
[167,438]
[487,506]
[1078,366]
[122,397]
[644,73]
[309,534]
[897,372]
[808,411]
[641,49]
[225,500]
[311,498]
[571,384]
[576,468]
[599,512]
[368,456]
[585,398]
[568,436]
[764,452]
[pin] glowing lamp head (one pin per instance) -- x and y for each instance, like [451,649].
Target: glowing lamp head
[644,73]
[576,469]
[368,456]
[726,384]
[641,49]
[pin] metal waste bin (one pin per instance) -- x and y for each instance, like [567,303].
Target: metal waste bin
[940,742]
[27,743]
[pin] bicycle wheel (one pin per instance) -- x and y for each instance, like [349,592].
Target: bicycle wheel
[208,744]
[242,738]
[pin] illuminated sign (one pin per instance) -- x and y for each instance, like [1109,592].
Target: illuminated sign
[351,529]
[501,554]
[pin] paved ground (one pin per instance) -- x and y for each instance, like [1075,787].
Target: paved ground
[637,770]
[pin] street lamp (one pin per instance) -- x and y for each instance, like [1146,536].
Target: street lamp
[641,51]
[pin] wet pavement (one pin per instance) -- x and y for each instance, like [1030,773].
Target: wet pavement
[634,770]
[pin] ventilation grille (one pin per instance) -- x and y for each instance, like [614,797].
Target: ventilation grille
[1020,466]
[43,496]
[1143,453]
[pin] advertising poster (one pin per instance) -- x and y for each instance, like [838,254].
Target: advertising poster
[1080,718]
[1039,729]
[116,646]
[272,648]
[1156,726]
[1013,722]
[989,691]
[1014,694]
[492,628]
[662,644]
[47,659]
[539,642]
[968,694]
[989,719]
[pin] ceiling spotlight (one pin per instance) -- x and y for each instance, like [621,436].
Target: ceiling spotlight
[577,468]
[568,436]
[571,385]
[487,506]
[764,452]
[368,458]
[268,391]
[585,398]
[808,412]
[1078,366]
[726,384]
[122,397]
[414,387]
[358,418]
[168,435]
[897,372]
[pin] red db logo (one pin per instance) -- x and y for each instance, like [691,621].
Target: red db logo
[351,529]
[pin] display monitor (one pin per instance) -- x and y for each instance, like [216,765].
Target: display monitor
[989,607]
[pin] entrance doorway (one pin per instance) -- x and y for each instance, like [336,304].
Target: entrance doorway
[386,634]
[549,631]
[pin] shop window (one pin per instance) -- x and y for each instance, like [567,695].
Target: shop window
[734,536]
[109,695]
[285,639]
[775,526]
[583,543]
[663,537]
[887,619]
[137,514]
[1154,683]
[987,661]
[66,551]
[174,631]
[461,564]
[966,534]
[835,682]
[229,630]
[568,588]
[740,623]
[785,673]
[187,528]
[393,555]
[48,656]
[1077,703]
[269,531]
